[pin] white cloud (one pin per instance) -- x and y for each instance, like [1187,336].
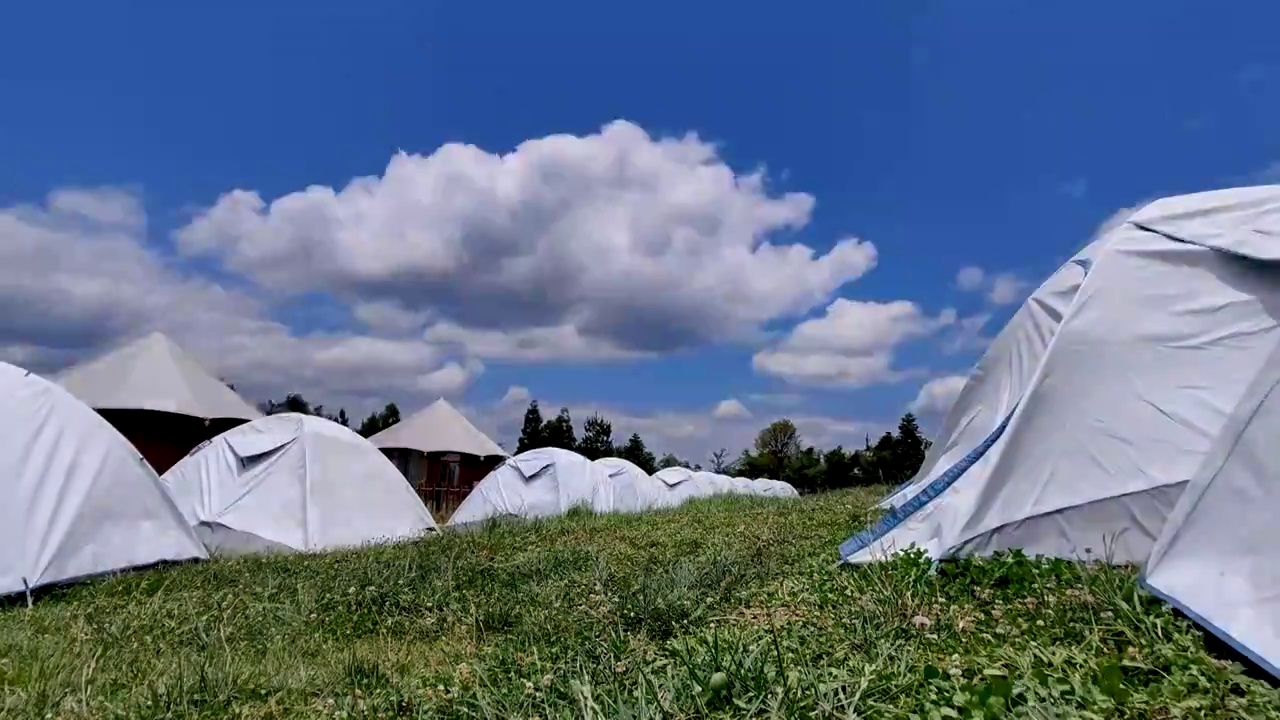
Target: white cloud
[628,242]
[970,278]
[999,289]
[937,396]
[967,334]
[1005,289]
[852,344]
[76,277]
[515,395]
[731,408]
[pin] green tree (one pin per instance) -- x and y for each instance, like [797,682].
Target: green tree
[558,431]
[669,460]
[597,438]
[838,469]
[635,451]
[720,461]
[379,420]
[910,448]
[531,436]
[778,446]
[292,403]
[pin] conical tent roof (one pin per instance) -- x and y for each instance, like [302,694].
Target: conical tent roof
[1215,559]
[293,481]
[1174,316]
[76,500]
[153,373]
[439,427]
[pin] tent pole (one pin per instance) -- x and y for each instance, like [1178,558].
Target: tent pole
[27,588]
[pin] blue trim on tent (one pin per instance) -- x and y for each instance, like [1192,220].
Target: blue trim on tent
[1221,634]
[895,516]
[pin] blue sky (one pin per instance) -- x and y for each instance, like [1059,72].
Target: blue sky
[995,135]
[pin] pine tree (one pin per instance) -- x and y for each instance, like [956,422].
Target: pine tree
[597,438]
[558,431]
[531,431]
[910,448]
[635,451]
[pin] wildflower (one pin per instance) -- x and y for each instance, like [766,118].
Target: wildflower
[997,613]
[547,680]
[620,667]
[921,621]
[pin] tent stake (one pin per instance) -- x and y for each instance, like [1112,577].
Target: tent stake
[27,588]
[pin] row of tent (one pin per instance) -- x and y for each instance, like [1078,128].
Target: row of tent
[1127,413]
[77,499]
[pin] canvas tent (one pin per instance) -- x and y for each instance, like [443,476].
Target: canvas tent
[1215,558]
[626,488]
[1083,422]
[159,397]
[293,482]
[75,499]
[681,484]
[536,483]
[440,453]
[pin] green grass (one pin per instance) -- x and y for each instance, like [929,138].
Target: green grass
[625,616]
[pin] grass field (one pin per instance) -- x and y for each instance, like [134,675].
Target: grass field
[723,608]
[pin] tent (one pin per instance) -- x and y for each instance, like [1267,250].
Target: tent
[1214,559]
[440,453]
[1082,424]
[713,483]
[75,499]
[681,484]
[775,488]
[536,483]
[294,482]
[626,488]
[159,397]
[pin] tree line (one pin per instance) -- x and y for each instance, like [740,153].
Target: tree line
[778,452]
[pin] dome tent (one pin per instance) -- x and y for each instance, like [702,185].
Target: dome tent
[159,397]
[293,482]
[626,488]
[1215,558]
[536,483]
[76,500]
[1111,400]
[681,484]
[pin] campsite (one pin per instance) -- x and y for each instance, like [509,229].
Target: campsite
[291,565]
[662,361]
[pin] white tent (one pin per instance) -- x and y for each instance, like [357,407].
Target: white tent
[75,499]
[438,428]
[775,488]
[1109,388]
[713,483]
[153,373]
[624,487]
[294,482]
[536,483]
[1215,559]
[681,486]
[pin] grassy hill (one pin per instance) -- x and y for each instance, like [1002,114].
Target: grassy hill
[626,616]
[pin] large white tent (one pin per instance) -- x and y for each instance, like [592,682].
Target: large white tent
[75,499]
[536,483]
[294,482]
[1082,424]
[1215,559]
[624,487]
[159,397]
[153,373]
[438,428]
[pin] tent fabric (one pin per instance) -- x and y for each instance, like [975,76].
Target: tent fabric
[76,500]
[1002,375]
[1214,558]
[1129,389]
[537,483]
[438,428]
[153,373]
[295,482]
[626,488]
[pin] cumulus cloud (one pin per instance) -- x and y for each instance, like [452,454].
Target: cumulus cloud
[999,289]
[852,344]
[938,395]
[76,277]
[731,408]
[625,242]
[970,278]
[515,395]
